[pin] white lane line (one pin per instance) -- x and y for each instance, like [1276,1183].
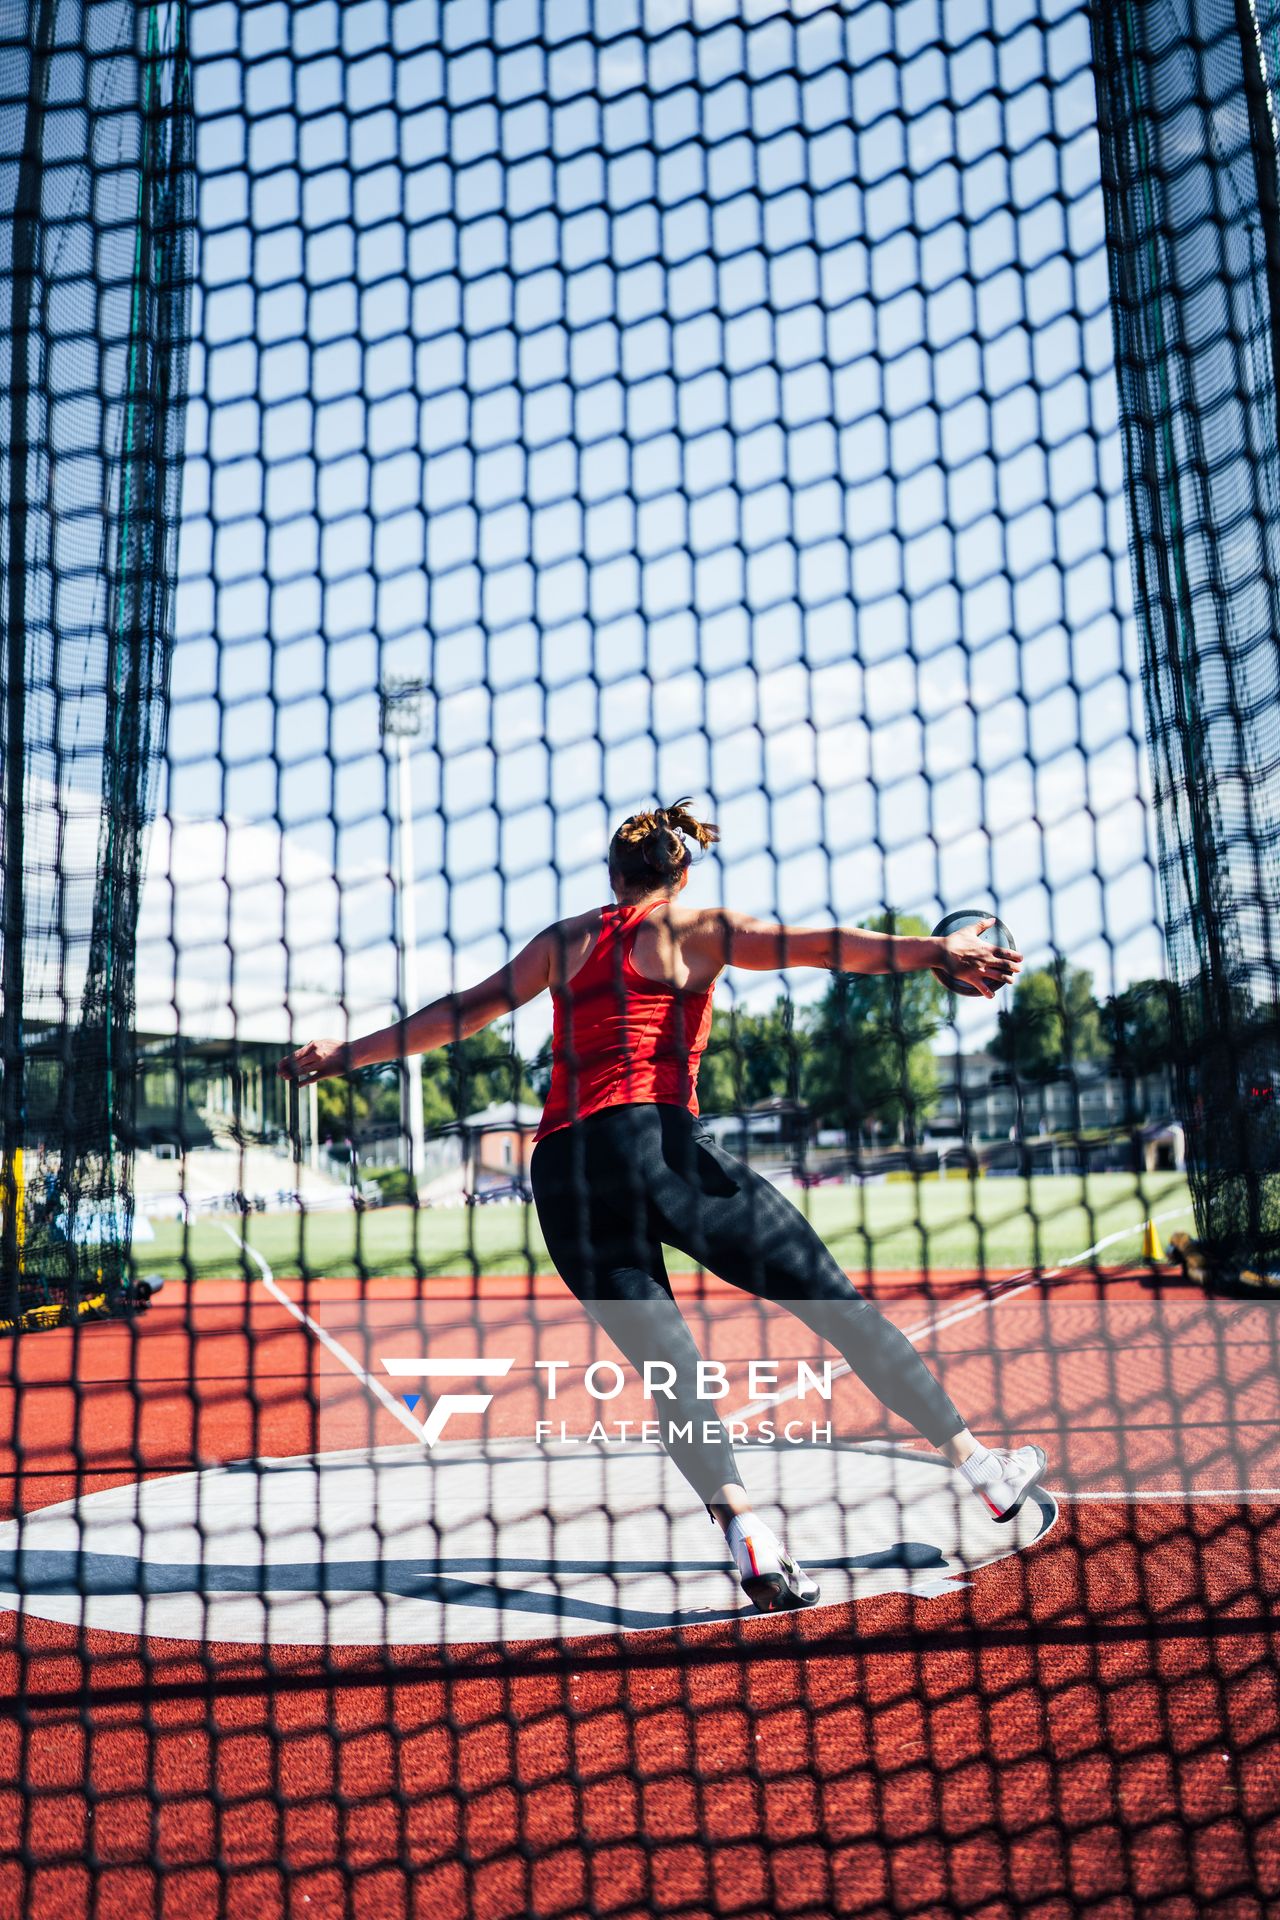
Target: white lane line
[326,1339]
[975,1304]
[1015,1284]
[474,1366]
[1187,1493]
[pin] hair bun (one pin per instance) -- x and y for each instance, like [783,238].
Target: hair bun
[655,842]
[678,818]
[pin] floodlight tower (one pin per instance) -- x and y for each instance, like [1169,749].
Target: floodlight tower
[401,718]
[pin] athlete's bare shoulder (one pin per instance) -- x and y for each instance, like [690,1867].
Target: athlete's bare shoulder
[699,934]
[700,924]
[570,943]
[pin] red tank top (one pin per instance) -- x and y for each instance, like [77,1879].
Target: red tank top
[620,1040]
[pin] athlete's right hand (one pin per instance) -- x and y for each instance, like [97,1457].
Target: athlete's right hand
[318,1060]
[983,968]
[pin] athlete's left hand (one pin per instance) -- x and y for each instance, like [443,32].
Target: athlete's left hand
[984,968]
[318,1060]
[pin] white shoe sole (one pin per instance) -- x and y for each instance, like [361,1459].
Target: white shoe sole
[1011,1513]
[778,1593]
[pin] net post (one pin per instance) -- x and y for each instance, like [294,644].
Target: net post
[25,275]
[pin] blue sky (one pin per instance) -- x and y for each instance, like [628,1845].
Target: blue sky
[700,401]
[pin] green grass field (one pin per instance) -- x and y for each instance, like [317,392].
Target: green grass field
[890,1228]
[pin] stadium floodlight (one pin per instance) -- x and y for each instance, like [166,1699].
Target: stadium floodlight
[404,707]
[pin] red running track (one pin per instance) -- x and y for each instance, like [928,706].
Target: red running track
[1090,1729]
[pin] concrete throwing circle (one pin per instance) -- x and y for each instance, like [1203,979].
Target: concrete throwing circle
[401,1546]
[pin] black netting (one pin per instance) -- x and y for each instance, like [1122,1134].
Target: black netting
[96,236]
[861,419]
[1187,116]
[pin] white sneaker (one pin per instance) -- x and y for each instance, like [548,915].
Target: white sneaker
[772,1579]
[781,1587]
[1008,1475]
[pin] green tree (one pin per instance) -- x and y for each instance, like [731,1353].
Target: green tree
[750,1057]
[1054,1022]
[539,1070]
[480,1071]
[869,1062]
[438,1089]
[346,1107]
[718,1078]
[456,1080]
[1139,1027]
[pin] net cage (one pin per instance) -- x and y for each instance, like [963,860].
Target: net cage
[96,231]
[1187,116]
[432,434]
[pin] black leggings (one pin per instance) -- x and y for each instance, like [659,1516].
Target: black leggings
[612,1190]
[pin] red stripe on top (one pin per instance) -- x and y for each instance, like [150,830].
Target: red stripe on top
[619,1040]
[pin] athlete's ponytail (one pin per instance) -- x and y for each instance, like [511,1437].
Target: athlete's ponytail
[651,849]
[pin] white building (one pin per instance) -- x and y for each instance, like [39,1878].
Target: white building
[978,1100]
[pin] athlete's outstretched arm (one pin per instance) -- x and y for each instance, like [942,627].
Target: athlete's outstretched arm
[455,1016]
[764,947]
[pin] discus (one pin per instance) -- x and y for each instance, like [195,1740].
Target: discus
[996,935]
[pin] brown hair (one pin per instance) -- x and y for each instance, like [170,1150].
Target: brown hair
[650,849]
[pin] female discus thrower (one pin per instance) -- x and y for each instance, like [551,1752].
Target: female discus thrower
[621,1166]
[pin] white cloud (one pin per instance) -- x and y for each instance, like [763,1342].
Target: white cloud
[244,929]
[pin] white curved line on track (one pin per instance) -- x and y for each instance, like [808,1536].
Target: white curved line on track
[1016,1284]
[979,1303]
[326,1339]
